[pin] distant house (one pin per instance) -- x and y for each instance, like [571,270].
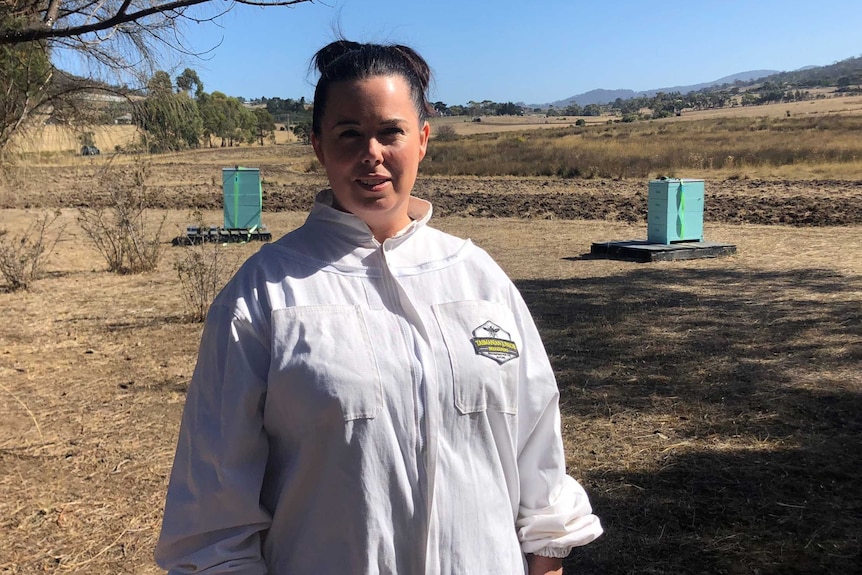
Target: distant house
[125,119]
[103,97]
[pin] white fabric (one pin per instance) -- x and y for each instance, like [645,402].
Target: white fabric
[340,420]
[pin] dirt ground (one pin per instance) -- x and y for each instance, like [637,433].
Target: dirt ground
[291,177]
[711,407]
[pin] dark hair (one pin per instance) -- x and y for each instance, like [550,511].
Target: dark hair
[344,61]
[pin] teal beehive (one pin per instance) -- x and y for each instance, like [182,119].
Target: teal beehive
[243,198]
[675,211]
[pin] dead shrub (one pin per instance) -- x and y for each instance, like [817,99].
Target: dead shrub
[445,133]
[119,229]
[203,270]
[23,257]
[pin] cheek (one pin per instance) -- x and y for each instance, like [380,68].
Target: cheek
[406,158]
[338,158]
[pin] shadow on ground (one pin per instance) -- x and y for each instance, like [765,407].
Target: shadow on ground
[715,416]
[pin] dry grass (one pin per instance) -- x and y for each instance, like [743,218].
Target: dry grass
[464,126]
[832,104]
[58,141]
[740,146]
[711,407]
[55,139]
[62,141]
[100,362]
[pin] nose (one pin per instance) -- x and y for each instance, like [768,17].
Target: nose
[373,153]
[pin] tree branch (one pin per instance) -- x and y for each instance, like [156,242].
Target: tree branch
[124,7]
[45,31]
[51,13]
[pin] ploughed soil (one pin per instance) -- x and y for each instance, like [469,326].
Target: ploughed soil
[810,203]
[192,181]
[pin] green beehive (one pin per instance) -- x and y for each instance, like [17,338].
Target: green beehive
[675,211]
[243,198]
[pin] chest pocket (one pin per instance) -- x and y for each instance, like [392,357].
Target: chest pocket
[483,348]
[323,367]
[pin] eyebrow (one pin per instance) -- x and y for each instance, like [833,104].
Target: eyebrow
[389,122]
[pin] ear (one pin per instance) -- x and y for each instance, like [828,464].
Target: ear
[424,135]
[318,149]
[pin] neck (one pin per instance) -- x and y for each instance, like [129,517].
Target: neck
[384,229]
[384,232]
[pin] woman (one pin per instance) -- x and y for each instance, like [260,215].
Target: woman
[371,394]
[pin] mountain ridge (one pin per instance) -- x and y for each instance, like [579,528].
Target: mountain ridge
[603,96]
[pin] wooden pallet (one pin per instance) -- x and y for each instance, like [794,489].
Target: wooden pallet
[644,251]
[195,235]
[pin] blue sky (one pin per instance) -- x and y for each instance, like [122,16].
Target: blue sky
[533,52]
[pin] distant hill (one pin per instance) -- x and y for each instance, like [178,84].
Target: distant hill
[843,73]
[605,96]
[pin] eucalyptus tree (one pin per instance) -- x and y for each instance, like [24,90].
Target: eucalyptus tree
[264,124]
[170,121]
[120,37]
[25,77]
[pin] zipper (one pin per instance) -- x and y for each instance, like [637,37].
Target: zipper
[393,292]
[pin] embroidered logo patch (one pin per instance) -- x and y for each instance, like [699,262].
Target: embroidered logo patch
[492,341]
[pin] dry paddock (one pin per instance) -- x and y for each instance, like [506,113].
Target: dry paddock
[711,407]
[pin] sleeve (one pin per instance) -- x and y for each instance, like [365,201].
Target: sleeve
[213,519]
[554,512]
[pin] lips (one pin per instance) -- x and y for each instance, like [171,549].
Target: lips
[372,184]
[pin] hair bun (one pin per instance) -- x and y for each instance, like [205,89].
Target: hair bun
[417,64]
[343,61]
[332,52]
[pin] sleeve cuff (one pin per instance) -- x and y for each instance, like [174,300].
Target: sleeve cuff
[555,552]
[567,522]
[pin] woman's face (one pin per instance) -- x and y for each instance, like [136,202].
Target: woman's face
[371,143]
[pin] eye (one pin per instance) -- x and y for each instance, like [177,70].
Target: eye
[349,133]
[392,132]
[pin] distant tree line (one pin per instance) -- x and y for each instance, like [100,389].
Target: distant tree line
[666,104]
[180,115]
[296,114]
[661,105]
[843,74]
[483,108]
